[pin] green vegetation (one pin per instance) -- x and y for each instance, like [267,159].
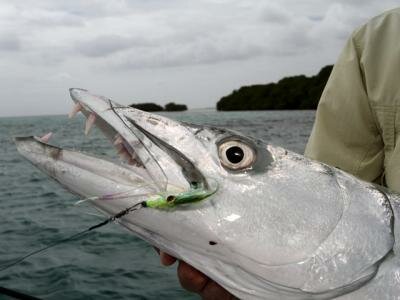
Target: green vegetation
[155,107]
[175,107]
[147,106]
[296,92]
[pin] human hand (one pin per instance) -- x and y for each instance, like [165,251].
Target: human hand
[194,281]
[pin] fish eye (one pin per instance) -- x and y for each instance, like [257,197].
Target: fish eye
[236,155]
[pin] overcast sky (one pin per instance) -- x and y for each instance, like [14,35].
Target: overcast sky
[191,52]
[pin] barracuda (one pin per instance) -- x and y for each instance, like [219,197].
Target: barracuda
[263,222]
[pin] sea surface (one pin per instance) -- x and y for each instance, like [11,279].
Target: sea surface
[110,263]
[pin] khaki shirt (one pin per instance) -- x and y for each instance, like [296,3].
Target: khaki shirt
[358,118]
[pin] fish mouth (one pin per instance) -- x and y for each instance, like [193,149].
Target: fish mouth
[138,141]
[154,168]
[137,137]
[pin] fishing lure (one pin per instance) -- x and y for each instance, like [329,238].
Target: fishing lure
[191,196]
[162,200]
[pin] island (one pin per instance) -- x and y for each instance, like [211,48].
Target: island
[147,106]
[295,92]
[175,107]
[153,107]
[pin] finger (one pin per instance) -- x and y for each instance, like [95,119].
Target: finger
[190,278]
[167,259]
[213,291]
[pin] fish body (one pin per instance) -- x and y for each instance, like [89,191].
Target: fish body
[270,224]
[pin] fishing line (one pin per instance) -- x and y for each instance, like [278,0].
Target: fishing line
[76,235]
[158,202]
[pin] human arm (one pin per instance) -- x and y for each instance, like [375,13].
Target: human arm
[345,132]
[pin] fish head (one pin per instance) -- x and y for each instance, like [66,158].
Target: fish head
[160,157]
[263,218]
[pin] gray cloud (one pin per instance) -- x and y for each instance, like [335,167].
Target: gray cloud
[219,44]
[155,34]
[190,54]
[276,14]
[53,18]
[86,9]
[9,43]
[104,45]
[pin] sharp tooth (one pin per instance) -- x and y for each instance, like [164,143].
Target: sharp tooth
[118,140]
[89,122]
[46,137]
[77,108]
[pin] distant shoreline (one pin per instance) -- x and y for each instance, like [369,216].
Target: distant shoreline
[290,93]
[187,111]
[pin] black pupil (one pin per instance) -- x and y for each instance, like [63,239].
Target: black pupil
[235,154]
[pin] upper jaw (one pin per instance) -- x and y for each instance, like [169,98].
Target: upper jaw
[144,139]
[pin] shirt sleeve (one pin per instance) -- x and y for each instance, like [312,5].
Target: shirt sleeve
[345,133]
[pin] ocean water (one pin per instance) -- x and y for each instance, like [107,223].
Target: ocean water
[110,263]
